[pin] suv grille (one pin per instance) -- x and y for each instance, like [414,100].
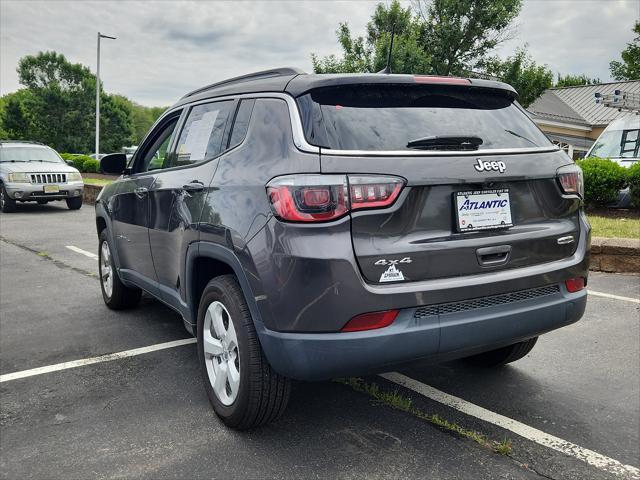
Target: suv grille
[485,302]
[48,177]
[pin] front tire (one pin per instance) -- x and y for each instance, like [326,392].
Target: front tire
[116,295]
[7,204]
[242,388]
[502,356]
[74,203]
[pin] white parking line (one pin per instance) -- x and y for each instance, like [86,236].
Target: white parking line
[82,252]
[89,361]
[615,297]
[530,433]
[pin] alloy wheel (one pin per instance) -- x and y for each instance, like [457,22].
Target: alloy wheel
[221,353]
[106,269]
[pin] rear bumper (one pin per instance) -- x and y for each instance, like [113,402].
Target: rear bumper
[317,356]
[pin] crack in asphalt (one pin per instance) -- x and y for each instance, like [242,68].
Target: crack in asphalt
[46,256]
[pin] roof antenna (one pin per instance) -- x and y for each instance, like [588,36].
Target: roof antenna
[387,68]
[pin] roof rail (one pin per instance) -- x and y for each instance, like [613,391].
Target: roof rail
[274,72]
[22,141]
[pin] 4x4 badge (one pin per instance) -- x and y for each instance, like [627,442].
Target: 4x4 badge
[497,166]
[385,262]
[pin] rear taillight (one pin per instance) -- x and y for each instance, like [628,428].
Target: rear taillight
[574,284]
[570,178]
[370,321]
[320,198]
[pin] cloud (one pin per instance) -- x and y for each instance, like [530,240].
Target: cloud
[165,49]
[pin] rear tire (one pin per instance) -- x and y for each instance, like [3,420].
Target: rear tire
[7,204]
[502,356]
[74,203]
[248,393]
[116,295]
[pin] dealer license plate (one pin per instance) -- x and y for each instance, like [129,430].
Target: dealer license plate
[483,210]
[51,189]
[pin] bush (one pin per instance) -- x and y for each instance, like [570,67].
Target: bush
[91,166]
[633,180]
[78,160]
[603,179]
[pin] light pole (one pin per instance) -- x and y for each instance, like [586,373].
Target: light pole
[98,96]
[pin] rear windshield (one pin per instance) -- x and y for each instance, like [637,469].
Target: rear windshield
[389,117]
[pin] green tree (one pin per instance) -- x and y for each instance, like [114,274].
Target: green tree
[460,33]
[445,37]
[575,80]
[522,73]
[629,68]
[57,107]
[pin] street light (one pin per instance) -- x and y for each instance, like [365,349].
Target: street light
[98,96]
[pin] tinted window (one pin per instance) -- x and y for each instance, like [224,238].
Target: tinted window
[203,133]
[241,122]
[157,155]
[388,117]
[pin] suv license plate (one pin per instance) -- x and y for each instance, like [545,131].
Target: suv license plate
[51,188]
[483,210]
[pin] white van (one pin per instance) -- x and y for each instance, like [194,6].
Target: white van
[620,142]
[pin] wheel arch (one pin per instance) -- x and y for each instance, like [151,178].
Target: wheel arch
[206,261]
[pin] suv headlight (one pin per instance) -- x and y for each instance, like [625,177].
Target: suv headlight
[19,177]
[74,177]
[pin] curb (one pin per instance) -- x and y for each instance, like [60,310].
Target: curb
[615,255]
[90,193]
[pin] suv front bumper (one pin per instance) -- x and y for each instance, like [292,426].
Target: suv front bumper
[32,191]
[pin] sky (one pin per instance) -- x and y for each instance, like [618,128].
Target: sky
[167,48]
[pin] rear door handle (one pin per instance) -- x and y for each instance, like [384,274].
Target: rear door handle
[194,186]
[141,192]
[492,256]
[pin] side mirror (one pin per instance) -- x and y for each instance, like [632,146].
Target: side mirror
[70,162]
[113,163]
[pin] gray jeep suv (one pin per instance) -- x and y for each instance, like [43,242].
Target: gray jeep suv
[314,226]
[33,172]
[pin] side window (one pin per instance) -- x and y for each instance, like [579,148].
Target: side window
[156,156]
[241,122]
[203,132]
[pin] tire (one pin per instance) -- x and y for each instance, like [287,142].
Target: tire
[259,395]
[74,203]
[116,295]
[502,356]
[43,202]
[7,204]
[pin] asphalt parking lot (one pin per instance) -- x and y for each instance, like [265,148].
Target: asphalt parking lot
[574,401]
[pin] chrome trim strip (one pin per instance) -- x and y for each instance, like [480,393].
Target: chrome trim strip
[296,122]
[301,142]
[566,240]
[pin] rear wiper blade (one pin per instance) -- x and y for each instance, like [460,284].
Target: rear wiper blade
[446,142]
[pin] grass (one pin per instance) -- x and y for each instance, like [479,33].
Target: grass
[625,227]
[396,400]
[97,181]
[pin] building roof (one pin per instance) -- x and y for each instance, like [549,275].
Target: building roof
[578,105]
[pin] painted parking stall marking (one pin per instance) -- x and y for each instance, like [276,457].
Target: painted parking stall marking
[614,297]
[90,361]
[82,252]
[538,436]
